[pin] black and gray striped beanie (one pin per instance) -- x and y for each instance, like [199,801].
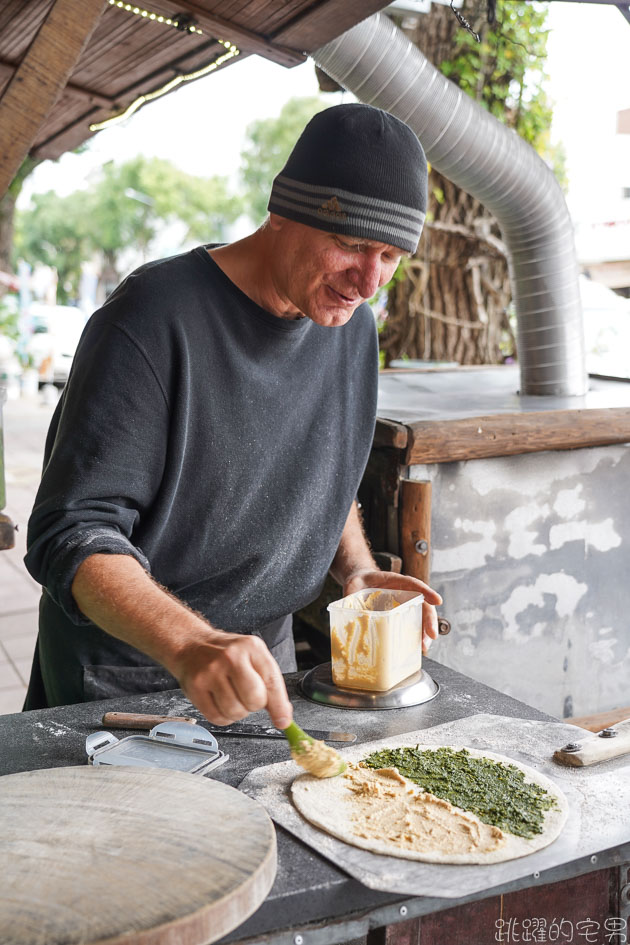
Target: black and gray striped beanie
[356,170]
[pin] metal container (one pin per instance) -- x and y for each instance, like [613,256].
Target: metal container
[175,745]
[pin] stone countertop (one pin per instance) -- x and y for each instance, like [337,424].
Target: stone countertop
[307,888]
[477,412]
[406,396]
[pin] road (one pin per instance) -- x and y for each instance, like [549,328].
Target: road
[26,421]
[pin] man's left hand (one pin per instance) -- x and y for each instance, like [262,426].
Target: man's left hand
[391,581]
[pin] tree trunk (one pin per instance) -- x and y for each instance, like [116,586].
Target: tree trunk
[451,304]
[7,215]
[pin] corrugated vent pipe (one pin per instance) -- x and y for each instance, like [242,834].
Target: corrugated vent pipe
[382,67]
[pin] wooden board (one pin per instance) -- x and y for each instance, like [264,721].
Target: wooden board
[113,854]
[40,78]
[447,440]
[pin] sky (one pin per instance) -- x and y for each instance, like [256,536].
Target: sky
[201,127]
[589,81]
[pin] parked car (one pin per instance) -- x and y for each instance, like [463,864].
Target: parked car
[56,333]
[606,329]
[10,367]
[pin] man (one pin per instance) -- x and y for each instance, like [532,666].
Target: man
[201,468]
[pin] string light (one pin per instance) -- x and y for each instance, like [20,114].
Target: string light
[184,23]
[232,52]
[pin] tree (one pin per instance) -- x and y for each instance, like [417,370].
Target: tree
[269,143]
[452,303]
[132,202]
[53,232]
[125,207]
[7,214]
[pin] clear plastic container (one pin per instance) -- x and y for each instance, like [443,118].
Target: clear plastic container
[375,638]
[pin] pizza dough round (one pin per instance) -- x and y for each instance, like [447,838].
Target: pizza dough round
[329,804]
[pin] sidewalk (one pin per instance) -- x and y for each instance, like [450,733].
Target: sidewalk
[25,424]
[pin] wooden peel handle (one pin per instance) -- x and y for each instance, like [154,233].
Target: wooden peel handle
[136,720]
[595,748]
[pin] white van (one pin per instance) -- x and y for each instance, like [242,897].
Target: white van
[56,333]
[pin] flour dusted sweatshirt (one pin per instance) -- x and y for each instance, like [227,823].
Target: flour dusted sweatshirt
[217,444]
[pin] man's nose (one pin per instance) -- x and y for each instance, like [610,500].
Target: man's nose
[368,276]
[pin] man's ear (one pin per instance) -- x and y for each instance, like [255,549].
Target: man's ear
[276,222]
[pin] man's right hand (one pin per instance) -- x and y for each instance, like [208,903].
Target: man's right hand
[232,675]
[225,675]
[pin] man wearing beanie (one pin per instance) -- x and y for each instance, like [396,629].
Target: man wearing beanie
[202,464]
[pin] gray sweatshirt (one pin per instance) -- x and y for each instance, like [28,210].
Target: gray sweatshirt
[219,445]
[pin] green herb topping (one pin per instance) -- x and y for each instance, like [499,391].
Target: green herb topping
[495,792]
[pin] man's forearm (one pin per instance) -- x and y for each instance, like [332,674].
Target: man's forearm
[353,553]
[225,675]
[117,594]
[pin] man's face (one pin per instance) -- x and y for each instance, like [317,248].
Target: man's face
[326,276]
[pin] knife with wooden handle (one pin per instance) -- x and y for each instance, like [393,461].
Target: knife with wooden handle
[140,721]
[136,720]
[589,749]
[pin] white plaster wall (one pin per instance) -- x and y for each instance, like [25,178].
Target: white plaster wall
[531,556]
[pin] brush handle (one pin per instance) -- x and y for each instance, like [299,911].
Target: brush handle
[295,736]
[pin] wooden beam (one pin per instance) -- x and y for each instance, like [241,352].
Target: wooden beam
[508,434]
[595,723]
[388,433]
[415,528]
[40,79]
[76,130]
[246,39]
[76,91]
[324,22]
[386,561]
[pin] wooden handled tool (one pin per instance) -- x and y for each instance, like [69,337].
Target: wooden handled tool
[589,749]
[137,720]
[145,722]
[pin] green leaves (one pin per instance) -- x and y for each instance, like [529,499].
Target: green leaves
[125,207]
[504,72]
[496,793]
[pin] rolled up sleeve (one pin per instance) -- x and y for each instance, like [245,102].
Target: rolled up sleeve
[103,465]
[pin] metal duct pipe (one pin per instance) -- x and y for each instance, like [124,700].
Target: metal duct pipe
[382,67]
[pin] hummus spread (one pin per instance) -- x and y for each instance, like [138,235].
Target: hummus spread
[377,600]
[374,643]
[318,759]
[387,807]
[380,810]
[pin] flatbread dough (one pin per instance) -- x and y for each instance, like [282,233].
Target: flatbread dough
[332,804]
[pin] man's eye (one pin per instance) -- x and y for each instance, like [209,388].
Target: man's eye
[353,247]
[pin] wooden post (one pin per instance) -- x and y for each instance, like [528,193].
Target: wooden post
[40,79]
[415,528]
[386,561]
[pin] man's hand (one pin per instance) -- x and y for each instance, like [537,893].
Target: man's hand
[354,568]
[371,577]
[234,675]
[225,675]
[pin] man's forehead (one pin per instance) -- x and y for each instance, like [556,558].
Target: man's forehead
[373,243]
